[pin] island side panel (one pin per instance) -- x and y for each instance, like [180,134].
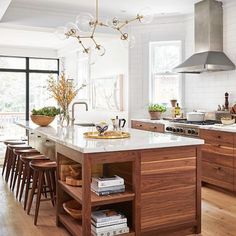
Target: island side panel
[170,191]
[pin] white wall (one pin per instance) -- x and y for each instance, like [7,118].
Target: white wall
[162,29]
[115,61]
[206,91]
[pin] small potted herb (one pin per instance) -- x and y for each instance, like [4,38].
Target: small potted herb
[155,111]
[44,116]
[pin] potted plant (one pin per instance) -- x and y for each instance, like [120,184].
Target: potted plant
[44,116]
[155,111]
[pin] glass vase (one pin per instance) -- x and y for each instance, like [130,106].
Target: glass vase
[65,117]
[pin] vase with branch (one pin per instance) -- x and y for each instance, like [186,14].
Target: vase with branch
[63,90]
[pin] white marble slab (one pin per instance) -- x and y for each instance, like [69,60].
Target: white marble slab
[221,127]
[72,137]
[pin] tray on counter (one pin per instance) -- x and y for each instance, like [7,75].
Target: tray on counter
[107,135]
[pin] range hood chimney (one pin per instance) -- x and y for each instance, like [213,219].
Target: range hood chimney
[209,55]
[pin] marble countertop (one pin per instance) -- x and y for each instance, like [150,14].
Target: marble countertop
[221,127]
[72,137]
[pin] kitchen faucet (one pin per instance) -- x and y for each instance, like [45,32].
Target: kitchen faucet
[73,110]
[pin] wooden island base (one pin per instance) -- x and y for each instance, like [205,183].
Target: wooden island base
[163,195]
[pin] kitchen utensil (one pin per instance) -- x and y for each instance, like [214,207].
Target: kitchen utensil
[122,123]
[222,114]
[227,121]
[74,209]
[195,116]
[226,101]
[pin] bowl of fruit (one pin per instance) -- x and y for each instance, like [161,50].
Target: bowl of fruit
[44,116]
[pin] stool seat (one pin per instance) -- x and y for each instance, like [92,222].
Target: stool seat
[19,146]
[14,142]
[25,151]
[43,165]
[33,157]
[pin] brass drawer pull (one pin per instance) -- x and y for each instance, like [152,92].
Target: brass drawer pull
[219,136]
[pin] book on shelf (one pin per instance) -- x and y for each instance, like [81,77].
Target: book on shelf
[107,181]
[111,222]
[108,228]
[101,189]
[108,192]
[107,215]
[124,230]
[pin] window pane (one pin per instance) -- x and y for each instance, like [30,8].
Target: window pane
[43,64]
[12,63]
[12,92]
[166,56]
[165,88]
[39,95]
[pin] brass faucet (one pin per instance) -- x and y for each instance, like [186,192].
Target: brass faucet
[73,110]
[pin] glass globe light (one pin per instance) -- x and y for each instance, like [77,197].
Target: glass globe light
[85,22]
[72,29]
[100,50]
[60,33]
[146,15]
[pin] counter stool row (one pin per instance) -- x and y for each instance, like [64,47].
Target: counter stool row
[25,166]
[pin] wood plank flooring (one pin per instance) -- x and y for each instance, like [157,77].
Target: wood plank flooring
[218,218]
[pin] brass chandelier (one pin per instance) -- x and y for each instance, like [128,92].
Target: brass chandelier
[86,26]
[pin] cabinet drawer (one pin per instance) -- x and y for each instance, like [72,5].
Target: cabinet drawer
[218,175]
[217,137]
[218,158]
[148,126]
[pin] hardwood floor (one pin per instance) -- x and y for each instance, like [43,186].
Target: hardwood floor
[15,222]
[218,218]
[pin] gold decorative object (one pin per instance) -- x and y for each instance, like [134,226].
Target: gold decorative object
[63,91]
[86,26]
[107,135]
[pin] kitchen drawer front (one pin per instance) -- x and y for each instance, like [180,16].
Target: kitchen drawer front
[218,175]
[219,149]
[218,158]
[168,207]
[217,137]
[148,126]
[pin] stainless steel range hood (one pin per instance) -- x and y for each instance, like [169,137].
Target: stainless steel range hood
[209,55]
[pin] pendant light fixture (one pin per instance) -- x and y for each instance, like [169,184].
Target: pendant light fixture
[86,26]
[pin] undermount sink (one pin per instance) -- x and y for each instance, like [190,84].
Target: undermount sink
[85,124]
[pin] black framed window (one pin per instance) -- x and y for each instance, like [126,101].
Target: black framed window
[23,84]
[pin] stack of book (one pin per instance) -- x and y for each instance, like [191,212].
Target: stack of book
[103,186]
[108,223]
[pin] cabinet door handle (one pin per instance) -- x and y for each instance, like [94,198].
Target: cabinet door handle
[219,136]
[140,125]
[155,127]
[39,136]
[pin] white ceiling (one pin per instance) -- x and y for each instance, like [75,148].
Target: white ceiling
[45,15]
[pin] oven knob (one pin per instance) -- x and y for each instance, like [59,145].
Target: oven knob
[168,128]
[177,130]
[181,130]
[174,130]
[193,131]
[189,131]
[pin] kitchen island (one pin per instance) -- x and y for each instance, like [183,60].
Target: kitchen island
[162,175]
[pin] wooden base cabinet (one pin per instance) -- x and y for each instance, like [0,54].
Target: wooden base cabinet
[219,159]
[163,190]
[148,126]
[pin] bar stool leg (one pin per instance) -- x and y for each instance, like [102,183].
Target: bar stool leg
[34,185]
[28,178]
[49,183]
[13,169]
[17,173]
[39,191]
[6,159]
[21,170]
[8,166]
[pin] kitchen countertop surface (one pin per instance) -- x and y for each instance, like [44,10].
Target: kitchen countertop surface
[72,137]
[217,127]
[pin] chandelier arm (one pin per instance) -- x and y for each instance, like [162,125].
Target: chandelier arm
[81,43]
[94,42]
[129,21]
[94,29]
[97,11]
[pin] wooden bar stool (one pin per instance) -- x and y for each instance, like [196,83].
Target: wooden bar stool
[12,142]
[28,175]
[19,164]
[41,169]
[10,169]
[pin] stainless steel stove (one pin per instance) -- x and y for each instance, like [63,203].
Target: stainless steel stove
[186,128]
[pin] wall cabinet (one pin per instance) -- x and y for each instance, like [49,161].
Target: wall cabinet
[218,159]
[148,126]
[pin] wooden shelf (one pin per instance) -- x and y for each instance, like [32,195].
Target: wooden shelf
[76,193]
[72,225]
